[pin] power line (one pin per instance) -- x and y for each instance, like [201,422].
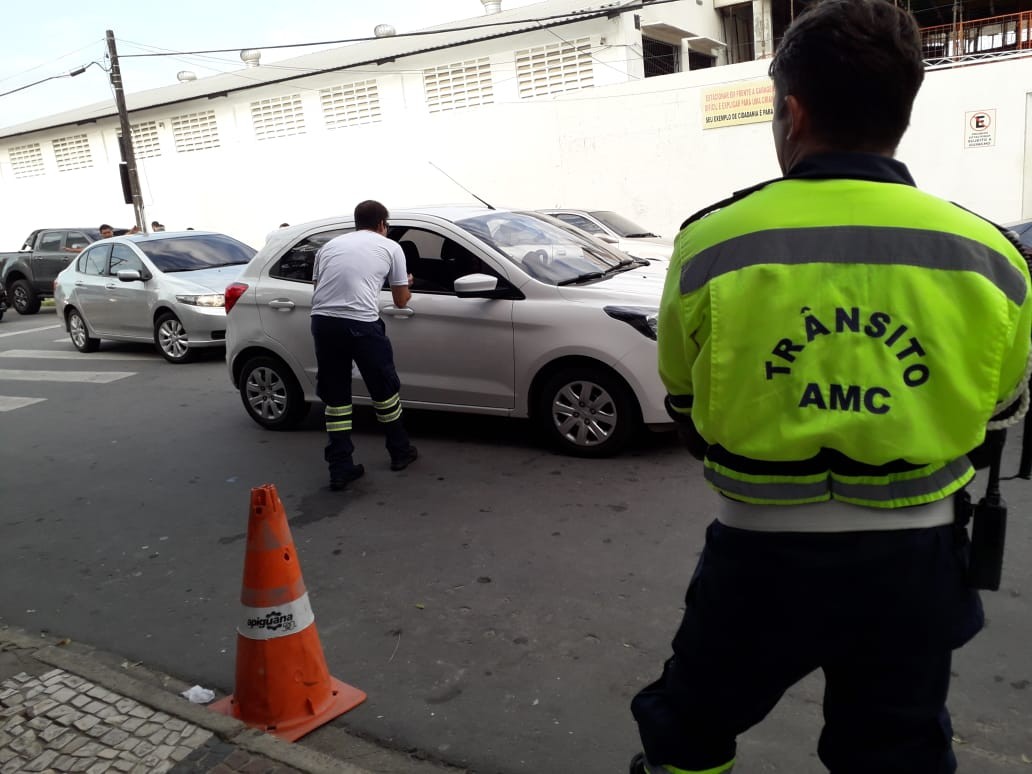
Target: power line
[70,74]
[49,61]
[572,15]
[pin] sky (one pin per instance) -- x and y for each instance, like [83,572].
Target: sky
[59,36]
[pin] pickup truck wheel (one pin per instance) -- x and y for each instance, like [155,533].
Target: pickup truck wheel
[24,298]
[171,339]
[80,334]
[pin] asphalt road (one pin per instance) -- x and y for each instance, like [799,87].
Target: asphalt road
[500,604]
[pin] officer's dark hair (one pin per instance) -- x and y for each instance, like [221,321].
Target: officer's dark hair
[104,226]
[369,215]
[855,65]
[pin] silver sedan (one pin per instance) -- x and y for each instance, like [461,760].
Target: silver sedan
[166,288]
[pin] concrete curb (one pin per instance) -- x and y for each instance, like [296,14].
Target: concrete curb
[229,729]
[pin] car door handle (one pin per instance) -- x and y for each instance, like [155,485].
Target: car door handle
[395,311]
[111,287]
[80,284]
[282,303]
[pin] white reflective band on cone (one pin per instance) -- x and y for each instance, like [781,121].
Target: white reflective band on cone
[267,623]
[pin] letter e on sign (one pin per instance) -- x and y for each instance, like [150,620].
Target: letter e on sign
[980,129]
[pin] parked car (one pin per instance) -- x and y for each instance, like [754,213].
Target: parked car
[166,288]
[510,315]
[612,227]
[3,301]
[653,266]
[28,275]
[1024,231]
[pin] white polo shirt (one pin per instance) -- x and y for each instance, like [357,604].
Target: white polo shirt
[349,272]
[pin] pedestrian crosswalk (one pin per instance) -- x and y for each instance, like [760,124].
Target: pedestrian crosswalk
[44,375]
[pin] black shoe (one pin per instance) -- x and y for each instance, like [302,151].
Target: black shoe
[638,765]
[341,482]
[406,459]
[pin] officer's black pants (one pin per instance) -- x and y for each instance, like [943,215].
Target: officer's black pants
[879,612]
[338,344]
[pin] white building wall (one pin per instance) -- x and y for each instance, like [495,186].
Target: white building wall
[636,146]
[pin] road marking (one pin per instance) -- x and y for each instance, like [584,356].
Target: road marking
[10,403]
[67,354]
[29,330]
[93,377]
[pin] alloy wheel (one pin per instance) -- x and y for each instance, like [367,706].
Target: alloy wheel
[266,394]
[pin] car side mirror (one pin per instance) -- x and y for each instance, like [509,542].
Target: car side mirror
[484,286]
[130,275]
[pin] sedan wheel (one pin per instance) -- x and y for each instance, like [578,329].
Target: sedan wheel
[80,334]
[588,412]
[171,339]
[271,395]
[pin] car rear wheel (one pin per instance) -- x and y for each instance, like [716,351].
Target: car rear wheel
[80,334]
[587,412]
[171,339]
[23,298]
[271,394]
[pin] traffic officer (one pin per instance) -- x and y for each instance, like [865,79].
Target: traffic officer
[348,274]
[834,343]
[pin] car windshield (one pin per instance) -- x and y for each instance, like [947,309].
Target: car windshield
[190,253]
[619,224]
[545,251]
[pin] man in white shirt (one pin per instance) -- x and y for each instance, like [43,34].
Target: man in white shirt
[346,326]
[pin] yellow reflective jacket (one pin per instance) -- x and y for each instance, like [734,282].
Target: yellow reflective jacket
[839,334]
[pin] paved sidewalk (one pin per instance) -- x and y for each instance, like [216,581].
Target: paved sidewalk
[66,707]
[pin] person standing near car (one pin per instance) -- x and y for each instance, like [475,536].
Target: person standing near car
[348,274]
[834,344]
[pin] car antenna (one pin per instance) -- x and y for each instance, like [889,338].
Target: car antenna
[460,185]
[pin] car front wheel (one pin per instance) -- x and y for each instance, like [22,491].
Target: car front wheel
[171,339]
[271,394]
[588,412]
[23,298]
[80,334]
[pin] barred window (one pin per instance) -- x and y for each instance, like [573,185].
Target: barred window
[195,131]
[27,160]
[145,139]
[278,117]
[554,68]
[72,152]
[459,85]
[350,104]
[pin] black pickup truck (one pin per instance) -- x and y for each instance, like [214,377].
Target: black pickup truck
[28,275]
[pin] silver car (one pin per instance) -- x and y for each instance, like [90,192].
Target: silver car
[614,228]
[510,315]
[166,288]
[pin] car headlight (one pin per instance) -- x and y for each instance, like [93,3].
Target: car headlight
[206,299]
[642,318]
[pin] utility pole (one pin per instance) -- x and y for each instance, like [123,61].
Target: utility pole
[128,153]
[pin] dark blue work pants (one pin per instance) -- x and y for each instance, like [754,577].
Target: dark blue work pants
[338,344]
[879,612]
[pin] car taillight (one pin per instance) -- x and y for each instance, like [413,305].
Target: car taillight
[233,293]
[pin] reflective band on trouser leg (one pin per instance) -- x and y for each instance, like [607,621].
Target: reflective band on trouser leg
[267,623]
[334,422]
[666,768]
[388,410]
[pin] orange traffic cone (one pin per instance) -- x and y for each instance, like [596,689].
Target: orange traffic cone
[282,683]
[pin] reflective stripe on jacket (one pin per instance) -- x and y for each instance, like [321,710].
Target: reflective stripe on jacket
[844,336]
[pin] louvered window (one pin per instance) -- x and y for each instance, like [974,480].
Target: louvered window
[195,131]
[278,117]
[73,152]
[145,140]
[350,104]
[554,68]
[27,160]
[459,85]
